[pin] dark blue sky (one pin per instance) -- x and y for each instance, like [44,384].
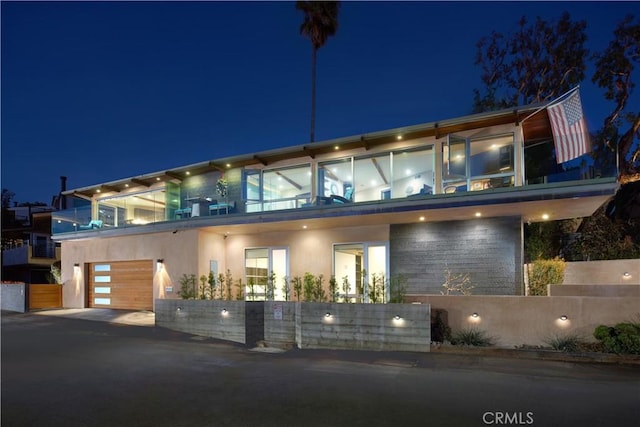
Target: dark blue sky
[104,91]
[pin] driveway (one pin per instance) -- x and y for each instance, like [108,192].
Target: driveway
[60,371]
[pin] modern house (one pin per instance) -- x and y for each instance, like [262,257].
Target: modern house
[413,201]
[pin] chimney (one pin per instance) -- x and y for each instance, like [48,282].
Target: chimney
[62,199]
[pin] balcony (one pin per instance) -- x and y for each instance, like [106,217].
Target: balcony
[23,253]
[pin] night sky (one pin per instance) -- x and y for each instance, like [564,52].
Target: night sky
[103,91]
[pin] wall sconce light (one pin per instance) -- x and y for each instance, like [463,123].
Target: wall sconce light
[626,275]
[564,317]
[76,265]
[475,315]
[397,317]
[179,309]
[224,312]
[327,315]
[159,264]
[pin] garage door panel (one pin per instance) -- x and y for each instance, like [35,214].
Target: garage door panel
[122,285]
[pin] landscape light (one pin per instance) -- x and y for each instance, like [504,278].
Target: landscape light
[474,315]
[563,317]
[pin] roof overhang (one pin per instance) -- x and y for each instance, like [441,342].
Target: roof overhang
[535,126]
[558,201]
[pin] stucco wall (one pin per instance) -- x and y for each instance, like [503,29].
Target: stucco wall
[517,320]
[13,297]
[594,290]
[489,250]
[179,251]
[309,250]
[603,272]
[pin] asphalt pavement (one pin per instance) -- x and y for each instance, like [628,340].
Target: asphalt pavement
[65,371]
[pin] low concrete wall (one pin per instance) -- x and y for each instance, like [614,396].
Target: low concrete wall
[280,324]
[517,320]
[349,326]
[364,326]
[594,290]
[603,272]
[205,318]
[13,297]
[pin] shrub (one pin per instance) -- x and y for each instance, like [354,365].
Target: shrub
[333,289]
[545,272]
[473,337]
[297,287]
[308,286]
[188,286]
[397,289]
[570,343]
[623,338]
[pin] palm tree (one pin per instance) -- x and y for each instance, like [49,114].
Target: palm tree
[320,22]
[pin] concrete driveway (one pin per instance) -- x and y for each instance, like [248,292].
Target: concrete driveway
[60,371]
[122,317]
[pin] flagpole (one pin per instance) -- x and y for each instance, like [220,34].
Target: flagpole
[551,103]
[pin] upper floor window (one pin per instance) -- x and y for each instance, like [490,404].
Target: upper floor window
[275,189]
[477,164]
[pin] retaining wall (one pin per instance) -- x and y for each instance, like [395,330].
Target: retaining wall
[516,320]
[285,324]
[204,318]
[13,297]
[594,290]
[609,272]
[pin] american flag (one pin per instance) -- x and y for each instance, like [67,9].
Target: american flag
[569,128]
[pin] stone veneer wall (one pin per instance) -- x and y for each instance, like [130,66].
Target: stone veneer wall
[488,249]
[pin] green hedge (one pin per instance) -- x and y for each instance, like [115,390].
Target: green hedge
[623,338]
[545,272]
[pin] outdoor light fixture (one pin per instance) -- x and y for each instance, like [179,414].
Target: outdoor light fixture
[179,309]
[327,315]
[224,312]
[159,264]
[626,275]
[563,317]
[76,265]
[397,317]
[475,315]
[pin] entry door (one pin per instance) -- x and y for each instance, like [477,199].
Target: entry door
[121,285]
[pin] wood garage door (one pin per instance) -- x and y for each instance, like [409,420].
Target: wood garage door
[122,284]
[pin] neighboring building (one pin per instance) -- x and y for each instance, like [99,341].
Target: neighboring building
[411,201]
[27,249]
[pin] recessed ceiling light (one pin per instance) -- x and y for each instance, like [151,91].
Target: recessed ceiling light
[422,218]
[336,147]
[187,173]
[399,137]
[545,216]
[304,226]
[228,165]
[478,214]
[98,190]
[158,178]
[126,185]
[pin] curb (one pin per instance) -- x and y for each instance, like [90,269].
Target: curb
[540,354]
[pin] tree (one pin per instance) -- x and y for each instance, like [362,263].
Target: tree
[614,68]
[320,22]
[537,63]
[7,197]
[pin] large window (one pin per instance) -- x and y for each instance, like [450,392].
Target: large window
[412,172]
[136,209]
[266,270]
[336,179]
[477,164]
[275,189]
[361,271]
